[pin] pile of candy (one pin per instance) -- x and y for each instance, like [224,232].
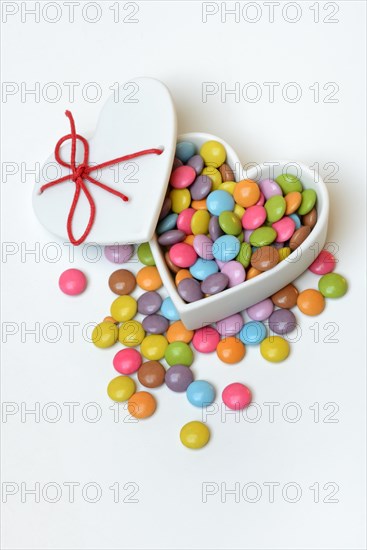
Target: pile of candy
[218,233]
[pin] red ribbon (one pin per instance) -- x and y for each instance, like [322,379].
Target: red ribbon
[82,172]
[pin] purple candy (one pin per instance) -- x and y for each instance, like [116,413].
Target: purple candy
[230,325]
[149,303]
[166,208]
[203,247]
[189,290]
[270,188]
[155,324]
[119,253]
[176,163]
[282,321]
[214,283]
[197,163]
[179,377]
[247,234]
[235,271]
[215,230]
[172,236]
[261,311]
[200,188]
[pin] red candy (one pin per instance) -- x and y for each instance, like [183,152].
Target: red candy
[236,396]
[182,177]
[184,220]
[127,361]
[324,263]
[206,339]
[182,255]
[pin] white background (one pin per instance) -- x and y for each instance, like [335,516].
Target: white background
[171,42]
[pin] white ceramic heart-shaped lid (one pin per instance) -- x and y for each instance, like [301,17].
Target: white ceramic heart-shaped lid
[142,117]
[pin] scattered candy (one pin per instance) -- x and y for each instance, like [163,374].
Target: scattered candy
[148,278]
[127,361]
[324,263]
[121,388]
[311,302]
[119,253]
[179,377]
[72,282]
[194,435]
[179,353]
[333,285]
[274,349]
[105,334]
[124,308]
[141,404]
[236,396]
[231,350]
[153,347]
[252,333]
[151,374]
[122,282]
[200,393]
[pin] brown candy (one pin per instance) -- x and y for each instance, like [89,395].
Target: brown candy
[286,297]
[170,264]
[310,219]
[122,282]
[299,236]
[151,374]
[265,258]
[226,172]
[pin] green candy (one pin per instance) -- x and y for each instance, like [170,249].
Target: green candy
[263,236]
[289,183]
[230,223]
[179,353]
[240,237]
[275,208]
[244,255]
[145,254]
[333,285]
[308,201]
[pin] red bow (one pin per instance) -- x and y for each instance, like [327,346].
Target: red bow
[82,172]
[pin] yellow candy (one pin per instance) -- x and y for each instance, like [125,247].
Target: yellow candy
[181,199]
[121,388]
[228,186]
[214,175]
[213,153]
[200,222]
[131,333]
[274,349]
[194,435]
[239,210]
[284,253]
[105,334]
[124,308]
[153,347]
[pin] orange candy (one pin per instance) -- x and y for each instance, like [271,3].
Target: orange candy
[148,278]
[181,275]
[189,239]
[246,193]
[111,320]
[231,350]
[142,404]
[199,205]
[293,201]
[252,272]
[311,302]
[177,332]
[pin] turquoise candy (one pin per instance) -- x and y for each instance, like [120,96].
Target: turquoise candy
[168,223]
[185,150]
[203,268]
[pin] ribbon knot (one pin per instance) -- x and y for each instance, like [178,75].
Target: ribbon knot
[82,172]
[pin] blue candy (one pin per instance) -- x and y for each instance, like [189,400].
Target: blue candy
[226,248]
[296,220]
[219,201]
[203,268]
[252,333]
[185,150]
[200,393]
[169,311]
[168,223]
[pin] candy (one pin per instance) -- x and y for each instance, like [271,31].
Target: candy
[252,333]
[153,347]
[219,201]
[261,311]
[105,334]
[174,268]
[203,247]
[214,175]
[127,361]
[286,297]
[131,333]
[72,282]
[293,201]
[289,183]
[182,177]
[252,272]
[184,220]
[181,275]
[169,222]
[151,374]
[194,435]
[231,350]
[282,321]
[124,308]
[203,268]
[121,388]
[226,248]
[263,236]
[149,303]
[310,219]
[265,258]
[299,236]
[166,207]
[311,302]
[215,283]
[206,339]
[244,255]
[235,272]
[177,332]
[275,208]
[148,278]
[269,188]
[197,163]
[200,222]
[274,349]
[284,253]
[333,285]
[324,263]
[141,404]
[180,200]
[200,393]
[199,205]
[171,237]
[246,193]
[236,396]
[169,310]
[183,255]
[308,201]
[145,254]
[155,324]
[201,188]
[213,153]
[253,217]
[230,223]
[122,282]
[296,220]
[215,230]
[230,325]
[185,150]
[179,353]
[190,290]
[284,228]
[119,253]
[178,378]
[226,172]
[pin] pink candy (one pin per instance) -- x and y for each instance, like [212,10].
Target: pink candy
[182,177]
[183,255]
[235,272]
[230,325]
[284,228]
[206,339]
[254,217]
[261,311]
[236,396]
[127,361]
[324,263]
[203,246]
[72,282]
[184,220]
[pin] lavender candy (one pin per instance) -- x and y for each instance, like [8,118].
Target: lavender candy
[215,230]
[189,290]
[201,188]
[282,321]
[119,253]
[197,163]
[149,303]
[178,378]
[171,237]
[155,324]
[215,283]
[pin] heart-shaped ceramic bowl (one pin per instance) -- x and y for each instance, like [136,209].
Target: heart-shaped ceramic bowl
[240,297]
